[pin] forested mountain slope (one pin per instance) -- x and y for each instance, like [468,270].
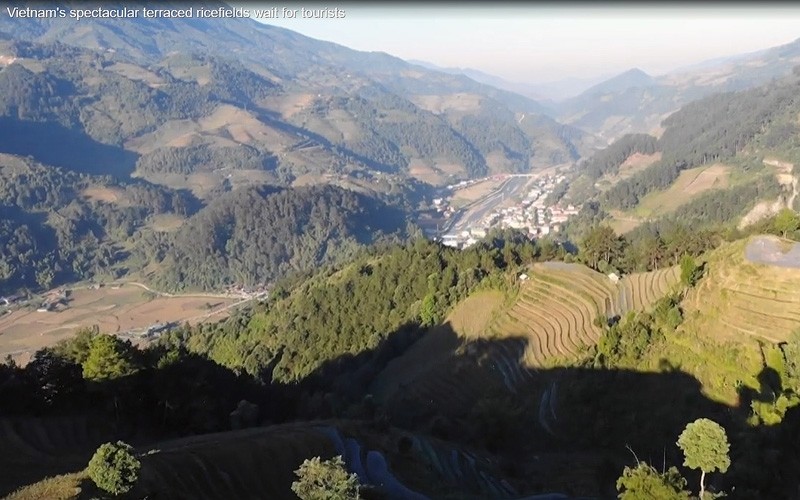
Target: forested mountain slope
[716,159]
[61,226]
[256,235]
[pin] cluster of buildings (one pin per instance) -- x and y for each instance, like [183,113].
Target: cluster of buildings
[246,292]
[151,332]
[531,214]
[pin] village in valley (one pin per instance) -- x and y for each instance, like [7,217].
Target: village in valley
[519,202]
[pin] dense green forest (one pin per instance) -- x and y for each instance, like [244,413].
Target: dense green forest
[255,235]
[493,129]
[607,161]
[56,231]
[392,131]
[55,234]
[203,157]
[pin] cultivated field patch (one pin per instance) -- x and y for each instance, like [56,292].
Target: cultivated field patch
[420,169]
[114,310]
[475,191]
[103,193]
[688,185]
[138,73]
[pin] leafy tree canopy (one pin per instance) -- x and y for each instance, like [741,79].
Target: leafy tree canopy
[325,480]
[109,358]
[114,468]
[644,482]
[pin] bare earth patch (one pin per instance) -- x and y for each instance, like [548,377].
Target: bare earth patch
[306,180]
[165,223]
[102,193]
[498,162]
[289,104]
[764,209]
[471,317]
[449,168]
[138,73]
[476,191]
[715,176]
[419,169]
[622,224]
[226,126]
[637,162]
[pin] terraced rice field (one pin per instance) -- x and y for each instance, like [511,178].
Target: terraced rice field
[557,307]
[639,290]
[480,369]
[551,319]
[461,468]
[260,463]
[255,463]
[34,448]
[739,297]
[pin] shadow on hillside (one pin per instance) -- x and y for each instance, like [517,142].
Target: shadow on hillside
[273,120]
[52,420]
[565,429]
[53,144]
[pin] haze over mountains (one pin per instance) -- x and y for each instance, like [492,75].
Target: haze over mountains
[556,90]
[636,102]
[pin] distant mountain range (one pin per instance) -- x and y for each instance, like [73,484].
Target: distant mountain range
[636,102]
[327,104]
[545,92]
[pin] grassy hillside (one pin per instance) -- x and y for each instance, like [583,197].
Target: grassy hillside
[687,186]
[37,447]
[745,300]
[735,321]
[260,462]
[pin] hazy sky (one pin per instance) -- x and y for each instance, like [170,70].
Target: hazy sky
[545,42]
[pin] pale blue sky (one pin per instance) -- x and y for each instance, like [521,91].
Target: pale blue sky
[546,42]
